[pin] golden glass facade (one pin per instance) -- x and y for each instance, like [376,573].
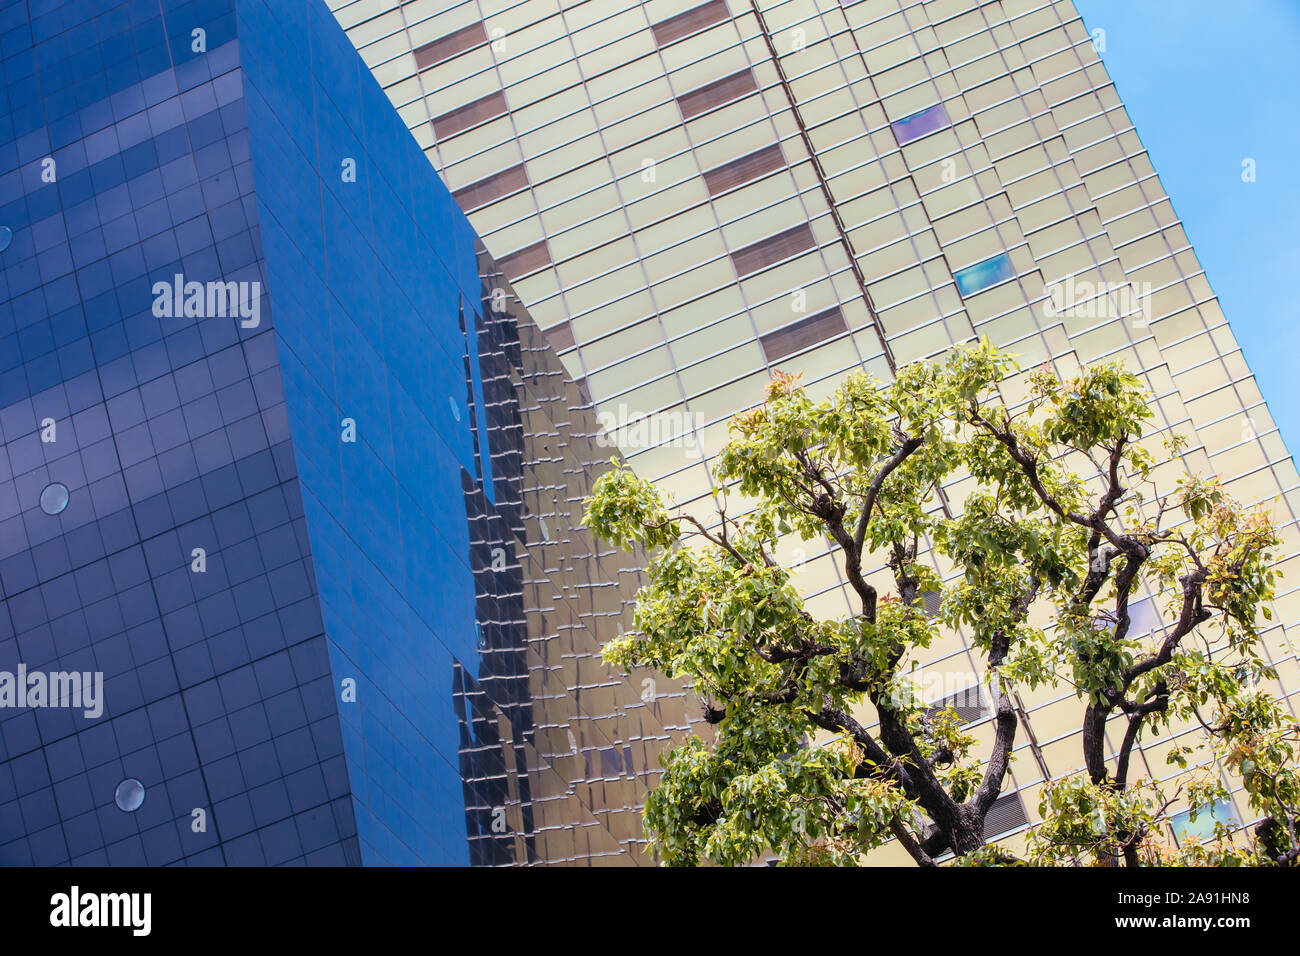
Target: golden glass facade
[694,195]
[557,751]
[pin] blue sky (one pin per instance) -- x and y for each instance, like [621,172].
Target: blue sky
[1208,85]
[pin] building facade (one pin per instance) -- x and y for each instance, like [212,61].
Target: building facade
[291,565]
[690,196]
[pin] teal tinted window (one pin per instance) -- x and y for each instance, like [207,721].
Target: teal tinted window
[1202,828]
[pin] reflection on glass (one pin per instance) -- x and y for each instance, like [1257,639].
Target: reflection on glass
[1202,828]
[920,124]
[1143,617]
[129,795]
[981,275]
[54,498]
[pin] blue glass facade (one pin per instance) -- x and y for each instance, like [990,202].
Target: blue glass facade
[369,276]
[303,509]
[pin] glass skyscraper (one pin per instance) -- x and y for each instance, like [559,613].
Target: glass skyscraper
[291,568]
[690,196]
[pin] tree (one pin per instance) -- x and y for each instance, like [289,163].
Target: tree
[821,748]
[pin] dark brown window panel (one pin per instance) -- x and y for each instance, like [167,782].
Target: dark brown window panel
[1006,814]
[471,114]
[716,93]
[584,390]
[798,336]
[526,260]
[773,249]
[968,704]
[692,21]
[744,170]
[453,44]
[492,188]
[560,336]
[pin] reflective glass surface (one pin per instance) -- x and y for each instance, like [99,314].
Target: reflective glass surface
[980,276]
[920,124]
[288,473]
[1023,209]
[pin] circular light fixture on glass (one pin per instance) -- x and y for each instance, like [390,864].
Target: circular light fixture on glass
[54,498]
[455,409]
[129,795]
[6,237]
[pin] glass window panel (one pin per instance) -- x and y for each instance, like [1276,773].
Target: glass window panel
[800,335]
[446,47]
[1202,828]
[691,21]
[981,275]
[715,94]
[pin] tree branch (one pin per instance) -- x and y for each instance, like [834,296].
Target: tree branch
[908,446]
[1135,719]
[1029,467]
[909,843]
[1005,719]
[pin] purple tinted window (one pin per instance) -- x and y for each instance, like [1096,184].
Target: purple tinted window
[920,124]
[1143,617]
